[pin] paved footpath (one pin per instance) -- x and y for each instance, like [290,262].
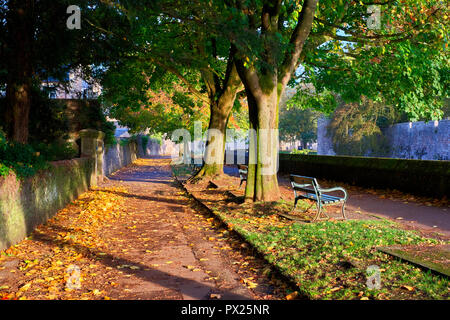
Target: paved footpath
[137,236]
[184,264]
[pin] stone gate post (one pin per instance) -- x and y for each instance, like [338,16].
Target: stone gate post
[92,146]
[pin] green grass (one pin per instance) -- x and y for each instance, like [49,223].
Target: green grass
[181,170]
[328,260]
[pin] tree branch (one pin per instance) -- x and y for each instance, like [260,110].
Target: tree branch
[175,72]
[298,38]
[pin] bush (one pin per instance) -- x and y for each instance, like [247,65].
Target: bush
[56,151]
[144,140]
[21,158]
[26,159]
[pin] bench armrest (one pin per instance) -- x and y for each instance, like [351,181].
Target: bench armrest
[334,189]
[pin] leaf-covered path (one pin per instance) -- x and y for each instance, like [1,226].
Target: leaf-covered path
[137,236]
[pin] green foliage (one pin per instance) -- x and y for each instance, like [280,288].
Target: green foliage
[356,128]
[20,158]
[55,151]
[306,97]
[48,118]
[126,141]
[297,121]
[91,116]
[157,137]
[297,124]
[27,159]
[403,63]
[145,105]
[144,140]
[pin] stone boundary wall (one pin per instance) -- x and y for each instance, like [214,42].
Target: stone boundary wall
[420,140]
[24,204]
[118,156]
[155,147]
[421,177]
[410,140]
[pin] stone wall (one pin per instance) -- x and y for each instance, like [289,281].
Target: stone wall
[126,150]
[156,147]
[24,204]
[119,155]
[324,142]
[410,140]
[420,140]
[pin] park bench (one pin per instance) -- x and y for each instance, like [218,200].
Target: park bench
[308,188]
[196,166]
[243,171]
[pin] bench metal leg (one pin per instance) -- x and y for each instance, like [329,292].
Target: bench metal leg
[343,211]
[319,212]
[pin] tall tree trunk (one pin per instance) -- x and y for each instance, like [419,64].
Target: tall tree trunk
[19,80]
[215,144]
[264,84]
[221,103]
[262,181]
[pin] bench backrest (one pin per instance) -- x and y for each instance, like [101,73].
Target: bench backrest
[305,184]
[243,170]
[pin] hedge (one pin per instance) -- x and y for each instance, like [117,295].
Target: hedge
[421,177]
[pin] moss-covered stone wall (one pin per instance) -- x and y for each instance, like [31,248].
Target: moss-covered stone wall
[24,204]
[421,177]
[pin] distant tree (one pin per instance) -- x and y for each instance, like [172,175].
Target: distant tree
[356,128]
[298,125]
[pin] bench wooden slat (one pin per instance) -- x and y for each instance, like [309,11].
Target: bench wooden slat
[304,189]
[323,198]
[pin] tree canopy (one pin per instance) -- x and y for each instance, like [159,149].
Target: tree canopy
[163,62]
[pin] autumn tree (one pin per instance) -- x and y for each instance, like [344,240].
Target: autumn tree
[273,38]
[144,96]
[356,128]
[168,36]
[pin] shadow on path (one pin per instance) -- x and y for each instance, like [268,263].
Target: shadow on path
[152,275]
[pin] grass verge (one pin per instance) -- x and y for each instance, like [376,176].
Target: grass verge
[329,260]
